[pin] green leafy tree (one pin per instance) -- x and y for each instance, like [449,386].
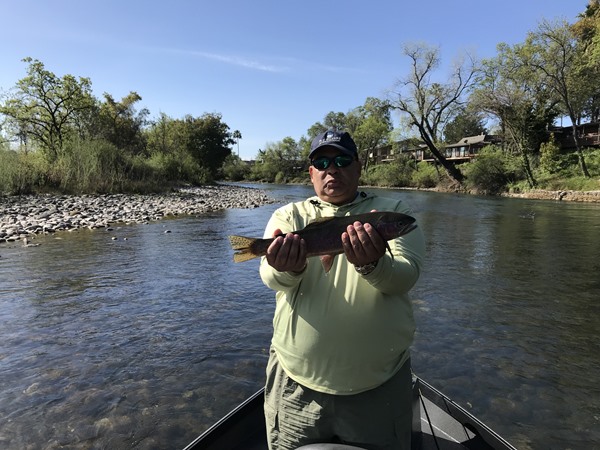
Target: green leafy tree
[553,53]
[161,135]
[122,125]
[280,161]
[44,107]
[234,169]
[166,145]
[512,93]
[332,120]
[466,123]
[587,33]
[370,126]
[489,172]
[208,141]
[335,120]
[550,156]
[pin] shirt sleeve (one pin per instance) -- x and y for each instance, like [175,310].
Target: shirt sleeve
[397,273]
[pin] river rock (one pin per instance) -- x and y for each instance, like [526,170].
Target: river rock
[21,216]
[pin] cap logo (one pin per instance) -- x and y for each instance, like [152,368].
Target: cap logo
[330,137]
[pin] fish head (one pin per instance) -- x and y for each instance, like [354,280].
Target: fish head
[392,225]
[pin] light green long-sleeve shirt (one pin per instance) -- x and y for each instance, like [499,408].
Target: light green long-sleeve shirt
[341,332]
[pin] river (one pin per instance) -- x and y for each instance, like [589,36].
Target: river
[145,340]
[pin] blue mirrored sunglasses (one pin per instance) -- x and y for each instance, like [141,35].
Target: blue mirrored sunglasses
[323,162]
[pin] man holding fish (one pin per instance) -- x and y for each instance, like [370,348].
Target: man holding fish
[339,366]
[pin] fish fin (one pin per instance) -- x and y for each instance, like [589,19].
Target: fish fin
[243,247]
[327,262]
[387,246]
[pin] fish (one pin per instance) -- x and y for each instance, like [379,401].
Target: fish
[323,236]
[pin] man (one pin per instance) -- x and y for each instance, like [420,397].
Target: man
[339,367]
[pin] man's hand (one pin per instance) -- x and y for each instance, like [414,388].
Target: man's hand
[362,244]
[287,253]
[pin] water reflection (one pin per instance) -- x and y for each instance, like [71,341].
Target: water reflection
[145,340]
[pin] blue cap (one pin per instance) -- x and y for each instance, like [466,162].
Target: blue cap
[337,139]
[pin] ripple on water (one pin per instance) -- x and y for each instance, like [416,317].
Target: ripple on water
[147,341]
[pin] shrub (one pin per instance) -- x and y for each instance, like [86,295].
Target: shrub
[262,172]
[89,166]
[490,172]
[426,175]
[234,169]
[21,173]
[550,157]
[177,167]
[280,178]
[592,159]
[395,174]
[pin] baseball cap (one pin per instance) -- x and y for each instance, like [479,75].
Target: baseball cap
[334,138]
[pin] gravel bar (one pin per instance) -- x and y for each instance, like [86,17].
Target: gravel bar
[24,216]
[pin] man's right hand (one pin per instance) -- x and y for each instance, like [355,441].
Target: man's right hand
[287,253]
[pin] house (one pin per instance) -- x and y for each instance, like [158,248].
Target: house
[588,134]
[468,148]
[464,150]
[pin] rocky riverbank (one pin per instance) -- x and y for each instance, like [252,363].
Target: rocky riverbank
[565,195]
[25,216]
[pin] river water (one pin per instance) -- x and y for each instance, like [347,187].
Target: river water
[146,340]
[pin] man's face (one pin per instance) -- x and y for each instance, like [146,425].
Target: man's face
[337,185]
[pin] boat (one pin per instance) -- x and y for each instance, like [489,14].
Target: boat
[438,424]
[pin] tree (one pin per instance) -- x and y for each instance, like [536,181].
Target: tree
[160,136]
[45,107]
[429,105]
[370,126]
[466,123]
[331,121]
[234,169]
[208,141]
[335,120]
[236,137]
[550,156]
[121,124]
[552,51]
[587,33]
[280,160]
[512,93]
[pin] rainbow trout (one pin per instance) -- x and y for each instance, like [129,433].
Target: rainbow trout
[323,236]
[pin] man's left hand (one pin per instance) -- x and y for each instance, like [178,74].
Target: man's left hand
[362,244]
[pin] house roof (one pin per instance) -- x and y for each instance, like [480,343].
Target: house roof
[471,140]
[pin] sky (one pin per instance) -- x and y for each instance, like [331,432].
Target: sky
[270,68]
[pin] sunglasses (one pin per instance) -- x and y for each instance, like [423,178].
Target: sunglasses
[323,162]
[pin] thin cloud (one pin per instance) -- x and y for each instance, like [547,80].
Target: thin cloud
[234,60]
[287,64]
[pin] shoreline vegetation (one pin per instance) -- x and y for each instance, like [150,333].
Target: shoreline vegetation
[23,217]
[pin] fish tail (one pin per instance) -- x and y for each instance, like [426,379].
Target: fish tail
[243,247]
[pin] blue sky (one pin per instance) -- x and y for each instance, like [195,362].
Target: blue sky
[271,68]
